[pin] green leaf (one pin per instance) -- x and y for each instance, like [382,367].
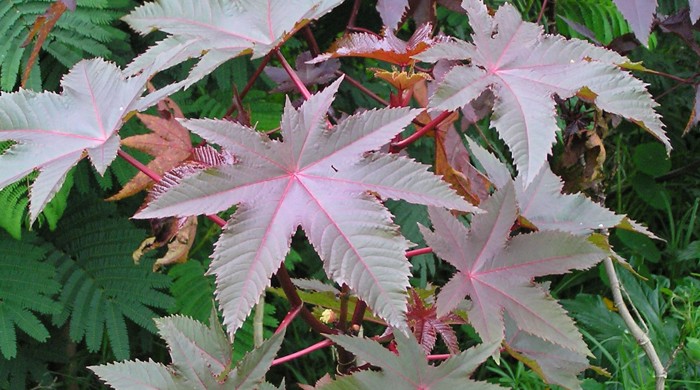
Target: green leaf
[101,284]
[27,286]
[69,40]
[651,159]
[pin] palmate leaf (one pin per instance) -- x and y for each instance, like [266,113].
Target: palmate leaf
[524,68]
[317,178]
[544,205]
[201,359]
[410,369]
[218,30]
[51,132]
[27,285]
[497,272]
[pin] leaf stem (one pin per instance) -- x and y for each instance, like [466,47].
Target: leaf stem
[415,136]
[293,297]
[639,335]
[255,75]
[300,353]
[362,88]
[288,318]
[156,177]
[417,252]
[439,357]
[311,41]
[293,75]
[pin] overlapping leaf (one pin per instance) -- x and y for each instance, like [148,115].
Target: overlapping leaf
[317,178]
[410,369]
[639,15]
[201,359]
[553,363]
[497,272]
[52,132]
[524,68]
[218,30]
[388,48]
[169,143]
[392,11]
[544,205]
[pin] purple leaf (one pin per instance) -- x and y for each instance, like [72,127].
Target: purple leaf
[497,271]
[639,15]
[52,131]
[216,31]
[309,74]
[525,68]
[319,178]
[556,365]
[410,369]
[392,11]
[544,205]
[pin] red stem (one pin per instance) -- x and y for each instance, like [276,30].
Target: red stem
[311,41]
[421,251]
[288,318]
[415,136]
[439,357]
[255,75]
[300,353]
[156,177]
[362,88]
[293,75]
[539,17]
[293,297]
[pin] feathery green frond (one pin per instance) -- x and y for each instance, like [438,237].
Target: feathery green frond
[600,16]
[27,285]
[85,32]
[15,198]
[101,284]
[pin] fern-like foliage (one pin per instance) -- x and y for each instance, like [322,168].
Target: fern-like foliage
[27,287]
[85,32]
[600,16]
[14,200]
[101,284]
[192,290]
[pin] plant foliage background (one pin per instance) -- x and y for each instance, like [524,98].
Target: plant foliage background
[80,288]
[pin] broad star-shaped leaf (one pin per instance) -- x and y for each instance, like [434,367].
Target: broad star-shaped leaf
[524,68]
[51,132]
[201,359]
[318,178]
[497,272]
[410,369]
[218,30]
[544,205]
